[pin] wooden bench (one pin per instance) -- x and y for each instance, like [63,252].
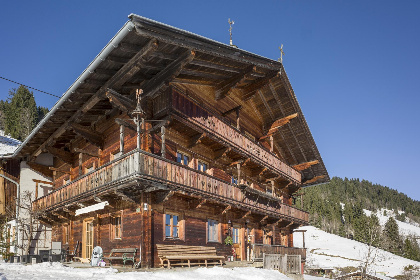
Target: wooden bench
[183,255]
[125,254]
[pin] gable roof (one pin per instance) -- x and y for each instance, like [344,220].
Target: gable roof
[148,53]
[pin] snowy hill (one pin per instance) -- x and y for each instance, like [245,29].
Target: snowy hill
[7,144]
[408,228]
[327,250]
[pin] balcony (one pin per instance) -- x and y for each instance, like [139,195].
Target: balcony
[138,170]
[199,118]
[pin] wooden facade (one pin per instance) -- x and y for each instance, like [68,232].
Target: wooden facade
[216,147]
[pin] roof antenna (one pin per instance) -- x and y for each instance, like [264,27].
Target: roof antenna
[231,22]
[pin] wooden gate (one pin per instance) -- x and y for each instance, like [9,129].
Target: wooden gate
[283,263]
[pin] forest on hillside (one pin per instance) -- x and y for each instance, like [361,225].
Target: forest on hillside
[19,114]
[337,207]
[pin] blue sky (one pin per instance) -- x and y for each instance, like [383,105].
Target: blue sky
[353,65]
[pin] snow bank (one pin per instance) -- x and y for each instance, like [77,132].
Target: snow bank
[7,144]
[45,271]
[329,250]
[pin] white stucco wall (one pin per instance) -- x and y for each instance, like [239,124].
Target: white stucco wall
[27,175]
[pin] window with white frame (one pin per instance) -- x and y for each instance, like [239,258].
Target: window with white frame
[213,231]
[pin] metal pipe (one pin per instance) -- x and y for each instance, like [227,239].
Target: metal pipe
[17,208]
[127,28]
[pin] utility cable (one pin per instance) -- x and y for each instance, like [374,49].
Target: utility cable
[29,87]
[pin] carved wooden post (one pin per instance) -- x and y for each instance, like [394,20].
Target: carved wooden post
[163,149]
[122,128]
[238,166]
[80,164]
[143,131]
[271,143]
[237,119]
[138,133]
[272,188]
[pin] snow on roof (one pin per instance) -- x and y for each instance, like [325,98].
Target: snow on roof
[7,144]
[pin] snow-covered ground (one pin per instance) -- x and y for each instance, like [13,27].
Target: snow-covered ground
[7,144]
[331,251]
[46,271]
[405,228]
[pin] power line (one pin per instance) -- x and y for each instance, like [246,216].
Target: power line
[29,87]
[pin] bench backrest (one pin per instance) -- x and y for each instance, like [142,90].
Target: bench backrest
[184,250]
[122,251]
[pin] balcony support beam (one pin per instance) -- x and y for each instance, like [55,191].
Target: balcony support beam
[195,140]
[119,101]
[226,209]
[314,179]
[221,153]
[92,154]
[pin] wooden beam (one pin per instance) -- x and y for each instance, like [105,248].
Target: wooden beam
[92,154]
[59,170]
[305,165]
[126,124]
[123,74]
[226,209]
[195,140]
[278,124]
[87,133]
[65,209]
[168,195]
[65,156]
[291,223]
[152,86]
[232,110]
[43,169]
[122,102]
[226,86]
[263,219]
[201,203]
[42,182]
[220,153]
[250,90]
[246,215]
[262,172]
[124,196]
[314,179]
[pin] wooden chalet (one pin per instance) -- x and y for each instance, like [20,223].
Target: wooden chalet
[215,147]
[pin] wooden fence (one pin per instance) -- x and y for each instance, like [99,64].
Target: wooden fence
[260,249]
[283,263]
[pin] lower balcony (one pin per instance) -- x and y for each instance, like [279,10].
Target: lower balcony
[139,171]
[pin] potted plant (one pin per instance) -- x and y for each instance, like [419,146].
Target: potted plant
[229,242]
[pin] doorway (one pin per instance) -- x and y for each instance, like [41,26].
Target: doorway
[87,239]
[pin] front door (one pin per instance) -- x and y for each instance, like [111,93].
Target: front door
[87,238]
[237,242]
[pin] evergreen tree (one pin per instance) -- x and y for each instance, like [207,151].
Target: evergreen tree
[392,236]
[19,114]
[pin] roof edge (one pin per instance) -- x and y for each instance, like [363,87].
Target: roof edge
[112,44]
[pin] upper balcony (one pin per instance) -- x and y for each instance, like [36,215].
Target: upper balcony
[139,171]
[200,119]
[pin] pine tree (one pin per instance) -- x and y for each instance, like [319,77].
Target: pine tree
[392,236]
[19,114]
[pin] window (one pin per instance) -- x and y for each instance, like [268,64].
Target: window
[116,227]
[234,181]
[66,233]
[235,235]
[202,166]
[267,236]
[171,226]
[213,231]
[182,158]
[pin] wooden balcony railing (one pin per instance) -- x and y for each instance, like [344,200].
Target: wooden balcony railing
[225,133]
[259,249]
[145,166]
